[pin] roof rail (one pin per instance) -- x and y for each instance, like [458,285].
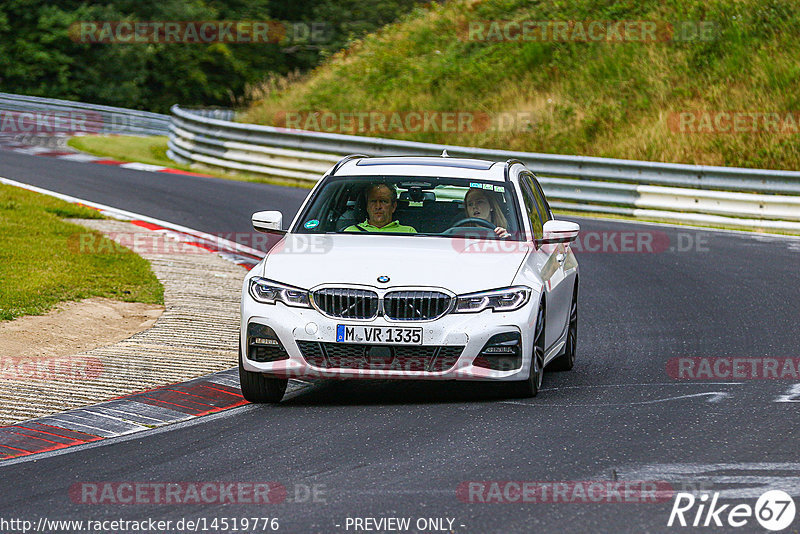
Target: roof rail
[345,160]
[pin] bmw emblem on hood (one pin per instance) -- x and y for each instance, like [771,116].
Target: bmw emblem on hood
[383,279]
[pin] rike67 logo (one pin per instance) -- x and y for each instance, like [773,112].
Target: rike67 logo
[774,510]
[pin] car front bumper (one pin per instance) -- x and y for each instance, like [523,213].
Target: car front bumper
[299,329]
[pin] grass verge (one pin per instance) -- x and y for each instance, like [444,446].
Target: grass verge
[566,93]
[153,150]
[41,263]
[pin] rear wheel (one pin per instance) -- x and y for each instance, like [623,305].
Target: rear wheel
[531,386]
[566,361]
[259,388]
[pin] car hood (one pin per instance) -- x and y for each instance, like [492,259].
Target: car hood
[460,265]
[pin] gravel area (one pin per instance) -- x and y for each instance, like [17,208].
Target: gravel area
[196,335]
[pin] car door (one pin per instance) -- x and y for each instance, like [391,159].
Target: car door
[543,259]
[558,298]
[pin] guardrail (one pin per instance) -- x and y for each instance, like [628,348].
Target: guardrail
[695,194]
[32,115]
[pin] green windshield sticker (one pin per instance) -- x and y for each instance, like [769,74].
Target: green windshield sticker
[313,223]
[499,189]
[487,186]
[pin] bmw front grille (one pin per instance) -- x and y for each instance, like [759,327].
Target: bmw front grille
[352,303]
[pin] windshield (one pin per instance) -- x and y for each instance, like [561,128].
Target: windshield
[410,205]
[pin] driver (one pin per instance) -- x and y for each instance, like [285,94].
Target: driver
[381,201]
[482,205]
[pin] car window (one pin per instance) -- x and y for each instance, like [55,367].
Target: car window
[531,207]
[433,206]
[538,195]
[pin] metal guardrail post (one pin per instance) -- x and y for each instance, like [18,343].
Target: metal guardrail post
[82,117]
[738,197]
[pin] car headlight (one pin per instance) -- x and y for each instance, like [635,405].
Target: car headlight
[506,299]
[270,292]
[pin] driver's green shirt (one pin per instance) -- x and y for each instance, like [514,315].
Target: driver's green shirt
[393,226]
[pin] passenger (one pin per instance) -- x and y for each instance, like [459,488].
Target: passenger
[381,202]
[482,205]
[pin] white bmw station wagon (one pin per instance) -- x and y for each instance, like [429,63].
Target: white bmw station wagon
[413,268]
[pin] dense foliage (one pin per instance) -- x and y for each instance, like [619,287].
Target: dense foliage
[41,56]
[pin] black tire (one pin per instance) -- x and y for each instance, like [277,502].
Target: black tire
[259,388]
[530,387]
[566,361]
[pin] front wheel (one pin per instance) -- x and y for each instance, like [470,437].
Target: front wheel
[530,387]
[259,388]
[566,361]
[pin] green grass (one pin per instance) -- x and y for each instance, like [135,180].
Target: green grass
[153,150]
[42,264]
[602,99]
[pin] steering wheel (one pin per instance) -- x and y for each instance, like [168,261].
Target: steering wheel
[463,222]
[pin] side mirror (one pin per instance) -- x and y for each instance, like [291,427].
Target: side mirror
[269,222]
[556,231]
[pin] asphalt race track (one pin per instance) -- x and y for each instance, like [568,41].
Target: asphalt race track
[204,204]
[408,449]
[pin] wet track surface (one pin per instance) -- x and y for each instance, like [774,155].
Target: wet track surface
[404,449]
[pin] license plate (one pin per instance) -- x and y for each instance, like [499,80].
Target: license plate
[380,335]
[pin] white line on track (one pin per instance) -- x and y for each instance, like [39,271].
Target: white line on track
[747,479]
[714,396]
[129,215]
[650,384]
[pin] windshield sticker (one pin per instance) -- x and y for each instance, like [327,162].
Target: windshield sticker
[499,189]
[487,186]
[313,223]
[476,184]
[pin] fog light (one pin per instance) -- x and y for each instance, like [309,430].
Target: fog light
[263,344]
[503,352]
[263,341]
[499,350]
